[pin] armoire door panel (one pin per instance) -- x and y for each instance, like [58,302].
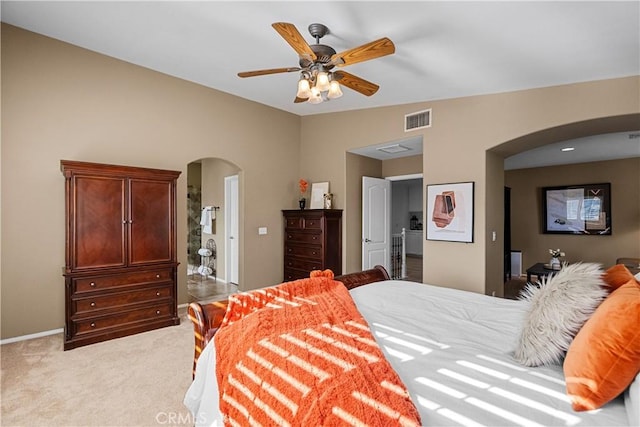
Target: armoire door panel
[151,216]
[98,223]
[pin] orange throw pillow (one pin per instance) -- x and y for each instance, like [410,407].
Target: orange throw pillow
[617,276]
[604,357]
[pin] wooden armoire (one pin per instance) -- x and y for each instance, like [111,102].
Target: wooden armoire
[312,241]
[120,257]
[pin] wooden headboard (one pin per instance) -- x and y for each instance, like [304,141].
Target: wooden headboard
[207,317]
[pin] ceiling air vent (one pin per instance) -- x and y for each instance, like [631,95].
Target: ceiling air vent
[417,120]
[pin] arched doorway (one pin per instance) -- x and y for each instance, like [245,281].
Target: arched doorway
[207,220]
[496,180]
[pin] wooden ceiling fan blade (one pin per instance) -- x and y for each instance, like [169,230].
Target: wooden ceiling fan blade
[356,83]
[298,100]
[290,33]
[372,50]
[268,71]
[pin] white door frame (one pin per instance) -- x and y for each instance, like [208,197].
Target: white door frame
[231,218]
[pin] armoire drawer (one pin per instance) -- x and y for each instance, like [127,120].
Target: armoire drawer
[159,311]
[309,251]
[94,283]
[93,303]
[303,264]
[301,237]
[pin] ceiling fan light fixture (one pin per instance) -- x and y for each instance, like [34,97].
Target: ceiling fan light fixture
[322,81]
[304,90]
[334,90]
[316,96]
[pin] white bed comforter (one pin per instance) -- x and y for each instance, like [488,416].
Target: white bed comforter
[453,351]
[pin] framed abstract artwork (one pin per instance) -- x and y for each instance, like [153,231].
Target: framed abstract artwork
[449,214]
[577,209]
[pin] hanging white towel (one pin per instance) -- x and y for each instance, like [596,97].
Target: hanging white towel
[208,215]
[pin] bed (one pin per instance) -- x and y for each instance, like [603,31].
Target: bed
[453,350]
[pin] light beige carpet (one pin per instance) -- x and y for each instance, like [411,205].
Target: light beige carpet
[138,380]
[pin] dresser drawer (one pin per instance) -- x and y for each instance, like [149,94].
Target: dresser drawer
[94,283]
[293,274]
[309,251]
[158,311]
[302,237]
[304,223]
[302,264]
[93,303]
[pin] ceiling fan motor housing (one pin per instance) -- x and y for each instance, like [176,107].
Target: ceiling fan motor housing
[323,56]
[323,52]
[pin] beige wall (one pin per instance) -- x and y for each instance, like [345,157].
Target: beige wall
[403,166]
[455,150]
[526,212]
[63,102]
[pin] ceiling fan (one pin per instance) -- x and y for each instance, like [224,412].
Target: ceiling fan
[317,80]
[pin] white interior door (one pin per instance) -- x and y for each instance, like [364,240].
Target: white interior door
[231,228]
[376,222]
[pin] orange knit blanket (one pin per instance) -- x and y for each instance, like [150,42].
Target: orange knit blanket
[300,354]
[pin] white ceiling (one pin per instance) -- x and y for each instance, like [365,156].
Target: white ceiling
[444,49]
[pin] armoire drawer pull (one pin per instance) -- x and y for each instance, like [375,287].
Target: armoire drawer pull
[157,294]
[92,284]
[93,304]
[93,325]
[157,276]
[157,311]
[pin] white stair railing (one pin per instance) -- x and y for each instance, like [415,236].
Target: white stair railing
[399,255]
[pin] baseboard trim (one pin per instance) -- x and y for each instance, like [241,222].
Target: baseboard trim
[31,336]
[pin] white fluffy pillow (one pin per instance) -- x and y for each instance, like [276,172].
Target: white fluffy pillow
[558,309]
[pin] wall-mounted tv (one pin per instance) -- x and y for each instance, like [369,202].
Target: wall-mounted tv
[577,209]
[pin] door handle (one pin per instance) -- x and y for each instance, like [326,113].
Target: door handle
[367,240]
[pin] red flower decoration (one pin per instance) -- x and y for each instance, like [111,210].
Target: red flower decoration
[303,185]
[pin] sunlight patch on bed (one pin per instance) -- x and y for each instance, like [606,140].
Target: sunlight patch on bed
[503,413]
[452,415]
[541,389]
[403,357]
[569,420]
[483,369]
[502,363]
[441,387]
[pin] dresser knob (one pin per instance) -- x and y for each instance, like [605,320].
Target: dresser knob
[157,311]
[92,284]
[157,276]
[157,294]
[315,237]
[93,325]
[314,252]
[93,304]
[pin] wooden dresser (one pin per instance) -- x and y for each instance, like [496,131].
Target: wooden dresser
[120,257]
[312,241]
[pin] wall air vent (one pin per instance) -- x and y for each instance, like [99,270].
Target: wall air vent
[417,120]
